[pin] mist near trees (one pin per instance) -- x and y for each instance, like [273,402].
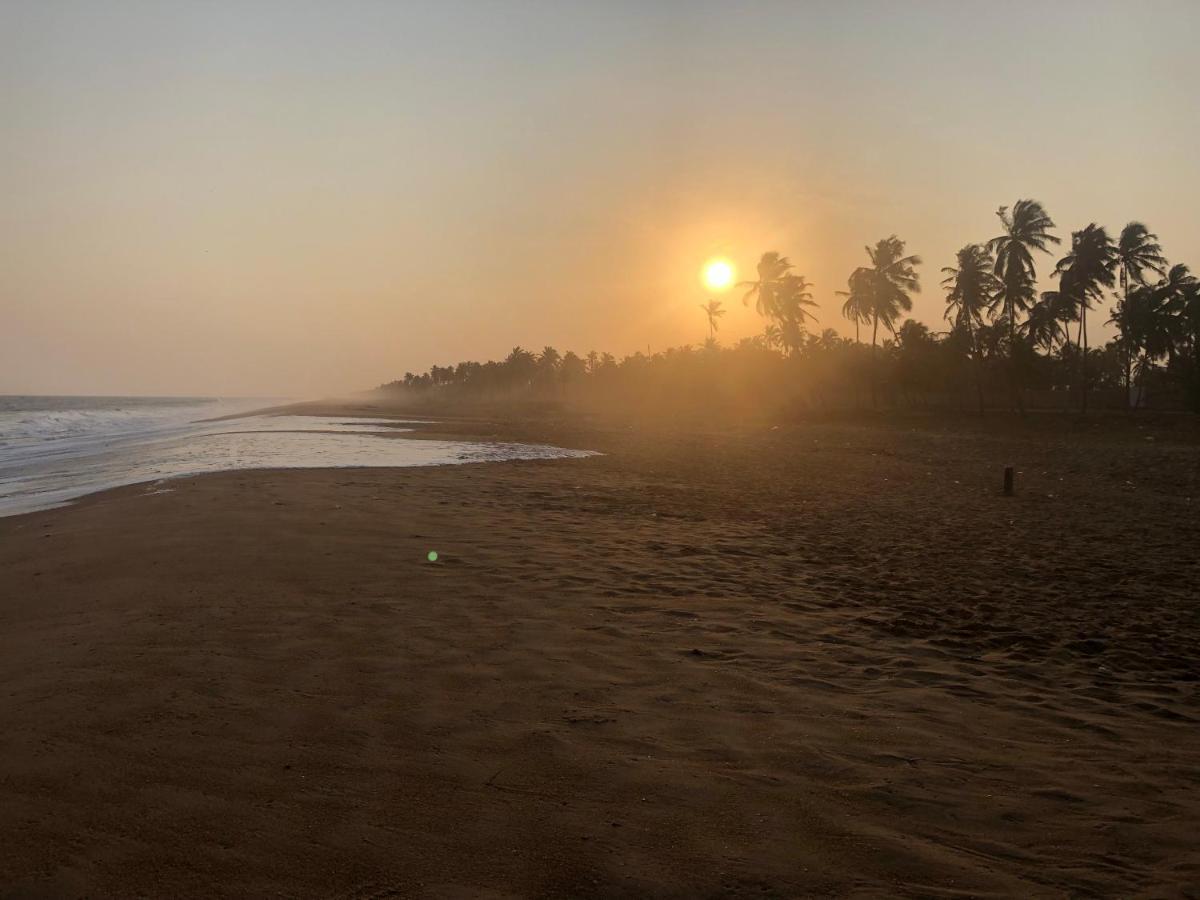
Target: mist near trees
[1002,343]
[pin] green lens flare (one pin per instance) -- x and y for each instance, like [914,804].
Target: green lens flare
[431,556]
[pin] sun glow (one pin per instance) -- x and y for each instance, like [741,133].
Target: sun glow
[718,274]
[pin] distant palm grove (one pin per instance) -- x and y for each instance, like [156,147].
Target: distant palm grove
[1003,344]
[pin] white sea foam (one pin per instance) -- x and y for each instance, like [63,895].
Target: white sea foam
[70,447]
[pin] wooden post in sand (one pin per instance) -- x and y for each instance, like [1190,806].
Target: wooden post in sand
[1008,481]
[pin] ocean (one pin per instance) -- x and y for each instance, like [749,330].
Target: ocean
[56,449]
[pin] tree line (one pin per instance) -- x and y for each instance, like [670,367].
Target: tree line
[1003,337]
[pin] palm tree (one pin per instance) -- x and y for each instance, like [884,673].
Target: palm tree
[888,281]
[1046,324]
[1042,327]
[1153,317]
[829,340]
[970,288]
[857,307]
[1083,275]
[1147,329]
[1137,251]
[1180,286]
[1026,229]
[772,338]
[771,270]
[1185,307]
[713,310]
[782,297]
[792,300]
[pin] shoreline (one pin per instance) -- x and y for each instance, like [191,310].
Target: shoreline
[151,471]
[825,658]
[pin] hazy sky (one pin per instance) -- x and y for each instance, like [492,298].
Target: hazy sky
[300,198]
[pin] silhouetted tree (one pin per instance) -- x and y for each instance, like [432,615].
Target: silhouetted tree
[891,277]
[772,338]
[1153,316]
[1026,229]
[1159,341]
[781,297]
[1137,252]
[1186,309]
[970,289]
[572,369]
[772,268]
[713,310]
[1083,275]
[792,301]
[1046,324]
[829,340]
[857,307]
[520,366]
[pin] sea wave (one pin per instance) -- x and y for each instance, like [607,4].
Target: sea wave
[54,450]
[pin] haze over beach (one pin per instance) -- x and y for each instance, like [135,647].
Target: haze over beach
[579,450]
[298,198]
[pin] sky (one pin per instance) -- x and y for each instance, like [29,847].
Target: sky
[295,198]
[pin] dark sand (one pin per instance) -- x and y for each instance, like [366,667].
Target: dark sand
[819,660]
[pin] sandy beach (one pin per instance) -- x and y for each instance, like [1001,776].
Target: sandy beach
[824,659]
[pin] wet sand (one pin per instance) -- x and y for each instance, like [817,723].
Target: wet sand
[826,659]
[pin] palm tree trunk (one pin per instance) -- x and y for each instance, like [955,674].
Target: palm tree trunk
[858,392]
[1126,346]
[1195,372]
[978,366]
[875,363]
[1065,336]
[1013,377]
[1130,403]
[1083,385]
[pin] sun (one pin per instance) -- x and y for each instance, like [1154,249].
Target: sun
[717,274]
